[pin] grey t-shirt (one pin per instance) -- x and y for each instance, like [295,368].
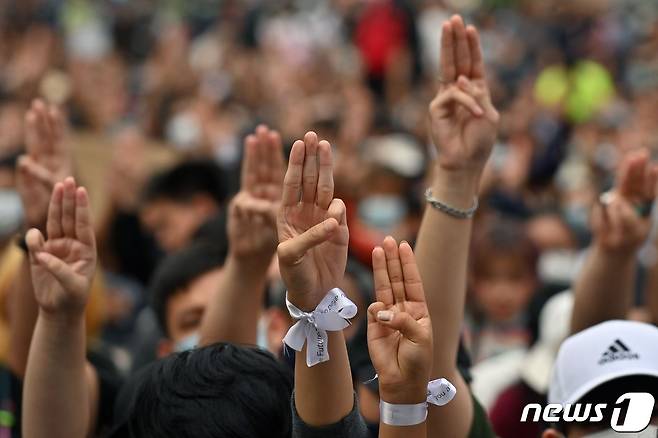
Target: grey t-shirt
[352,426]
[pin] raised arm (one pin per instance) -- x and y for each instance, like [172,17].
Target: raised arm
[620,223]
[59,391]
[235,308]
[47,161]
[312,253]
[464,128]
[399,336]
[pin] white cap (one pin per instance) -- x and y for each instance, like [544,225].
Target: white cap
[602,353]
[554,322]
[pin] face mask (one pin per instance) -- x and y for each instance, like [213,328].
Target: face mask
[649,432]
[261,336]
[189,342]
[383,212]
[183,131]
[11,212]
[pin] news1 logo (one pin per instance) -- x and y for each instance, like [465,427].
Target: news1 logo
[631,412]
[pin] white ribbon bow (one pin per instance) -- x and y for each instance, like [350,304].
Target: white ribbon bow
[332,314]
[440,392]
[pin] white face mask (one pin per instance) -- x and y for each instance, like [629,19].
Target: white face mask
[11,212]
[383,212]
[189,342]
[184,131]
[649,432]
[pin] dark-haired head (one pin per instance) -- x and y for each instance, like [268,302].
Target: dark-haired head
[219,391]
[182,287]
[178,201]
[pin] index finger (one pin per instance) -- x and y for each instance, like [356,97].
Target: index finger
[54,224]
[462,49]
[84,230]
[249,172]
[383,290]
[292,182]
[276,169]
[448,69]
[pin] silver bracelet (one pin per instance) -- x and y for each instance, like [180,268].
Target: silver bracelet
[451,211]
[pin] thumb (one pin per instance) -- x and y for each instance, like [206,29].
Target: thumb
[291,250]
[34,241]
[404,323]
[58,269]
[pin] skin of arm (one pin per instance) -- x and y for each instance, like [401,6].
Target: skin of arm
[234,311]
[312,253]
[58,380]
[400,333]
[464,127]
[47,161]
[604,288]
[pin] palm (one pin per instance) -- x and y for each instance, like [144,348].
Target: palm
[312,225]
[386,344]
[323,265]
[463,119]
[461,136]
[49,291]
[62,268]
[252,217]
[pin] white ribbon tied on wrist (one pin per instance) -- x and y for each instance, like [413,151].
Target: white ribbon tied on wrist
[332,314]
[439,392]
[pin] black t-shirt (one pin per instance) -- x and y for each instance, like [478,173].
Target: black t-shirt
[10,404]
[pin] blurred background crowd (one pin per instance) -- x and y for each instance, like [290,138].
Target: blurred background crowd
[159,96]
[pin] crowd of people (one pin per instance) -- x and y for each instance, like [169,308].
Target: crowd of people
[328,218]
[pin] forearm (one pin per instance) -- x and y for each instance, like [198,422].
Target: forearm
[652,294]
[417,431]
[22,318]
[442,254]
[324,393]
[56,393]
[604,288]
[235,308]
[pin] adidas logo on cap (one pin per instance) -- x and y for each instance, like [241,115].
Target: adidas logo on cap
[617,351]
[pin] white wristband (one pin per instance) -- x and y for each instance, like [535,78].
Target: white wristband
[332,314]
[439,392]
[402,415]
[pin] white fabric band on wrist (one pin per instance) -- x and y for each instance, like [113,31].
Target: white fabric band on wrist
[439,392]
[332,314]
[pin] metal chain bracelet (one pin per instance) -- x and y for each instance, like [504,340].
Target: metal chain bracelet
[447,209]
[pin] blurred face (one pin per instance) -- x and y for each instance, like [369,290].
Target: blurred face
[186,308]
[174,223]
[504,289]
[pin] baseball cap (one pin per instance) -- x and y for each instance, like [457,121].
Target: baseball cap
[600,354]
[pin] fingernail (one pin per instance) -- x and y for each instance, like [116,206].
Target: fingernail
[385,315]
[479,111]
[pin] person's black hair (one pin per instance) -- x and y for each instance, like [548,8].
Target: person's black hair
[186,180]
[219,391]
[179,270]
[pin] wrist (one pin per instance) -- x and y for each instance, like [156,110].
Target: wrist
[615,254]
[62,320]
[408,394]
[456,188]
[252,267]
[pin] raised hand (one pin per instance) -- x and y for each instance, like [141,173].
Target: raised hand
[253,211]
[621,221]
[399,326]
[312,225]
[47,160]
[464,122]
[63,266]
